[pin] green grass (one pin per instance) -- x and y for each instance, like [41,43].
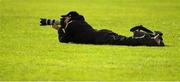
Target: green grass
[31,52]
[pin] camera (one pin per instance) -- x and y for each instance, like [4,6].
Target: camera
[44,22]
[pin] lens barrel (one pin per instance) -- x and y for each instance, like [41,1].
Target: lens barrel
[44,21]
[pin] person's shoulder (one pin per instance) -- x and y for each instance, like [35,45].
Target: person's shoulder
[79,17]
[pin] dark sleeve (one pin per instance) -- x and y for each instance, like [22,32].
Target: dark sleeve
[65,34]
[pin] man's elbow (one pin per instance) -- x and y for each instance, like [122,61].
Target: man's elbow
[63,41]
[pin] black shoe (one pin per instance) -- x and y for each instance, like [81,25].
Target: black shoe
[158,39]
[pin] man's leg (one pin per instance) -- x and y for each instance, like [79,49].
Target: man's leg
[116,39]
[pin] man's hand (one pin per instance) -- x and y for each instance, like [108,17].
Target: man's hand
[57,27]
[66,20]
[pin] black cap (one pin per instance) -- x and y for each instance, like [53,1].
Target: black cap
[71,14]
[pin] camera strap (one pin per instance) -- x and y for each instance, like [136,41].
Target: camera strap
[63,30]
[67,24]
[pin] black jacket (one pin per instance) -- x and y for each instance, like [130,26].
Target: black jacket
[79,31]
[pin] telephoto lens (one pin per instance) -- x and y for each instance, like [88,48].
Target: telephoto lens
[44,22]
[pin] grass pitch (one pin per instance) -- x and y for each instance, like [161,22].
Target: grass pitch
[31,52]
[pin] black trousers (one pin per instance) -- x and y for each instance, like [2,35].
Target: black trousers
[109,37]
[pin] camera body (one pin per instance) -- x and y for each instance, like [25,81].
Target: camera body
[45,21]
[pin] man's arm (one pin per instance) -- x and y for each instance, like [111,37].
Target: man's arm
[66,33]
[61,33]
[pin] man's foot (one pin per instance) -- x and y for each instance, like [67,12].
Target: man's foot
[158,40]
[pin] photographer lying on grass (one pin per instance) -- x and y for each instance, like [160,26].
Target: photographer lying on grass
[73,28]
